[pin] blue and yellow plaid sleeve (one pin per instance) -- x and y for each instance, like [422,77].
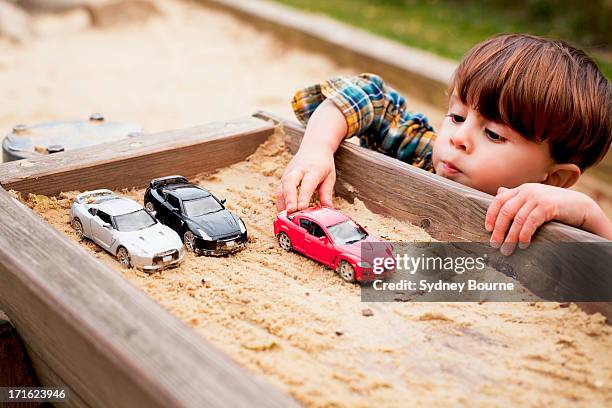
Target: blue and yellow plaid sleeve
[375,113]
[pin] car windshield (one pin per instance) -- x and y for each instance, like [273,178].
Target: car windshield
[201,206]
[347,232]
[134,221]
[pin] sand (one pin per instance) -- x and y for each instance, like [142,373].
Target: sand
[299,326]
[190,66]
[280,315]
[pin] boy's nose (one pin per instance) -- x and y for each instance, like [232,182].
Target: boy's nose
[461,140]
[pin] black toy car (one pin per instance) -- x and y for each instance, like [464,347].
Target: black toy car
[200,219]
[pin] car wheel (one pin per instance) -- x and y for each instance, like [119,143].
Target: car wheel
[190,241]
[284,241]
[78,227]
[149,206]
[346,271]
[123,257]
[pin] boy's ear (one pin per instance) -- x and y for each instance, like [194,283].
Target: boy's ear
[563,175]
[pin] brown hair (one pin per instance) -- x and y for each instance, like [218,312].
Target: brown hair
[544,90]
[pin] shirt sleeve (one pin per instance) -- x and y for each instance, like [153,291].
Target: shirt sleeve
[374,112]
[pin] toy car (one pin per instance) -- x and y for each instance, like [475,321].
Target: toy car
[125,229]
[202,220]
[331,238]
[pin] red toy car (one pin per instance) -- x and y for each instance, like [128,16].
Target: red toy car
[332,238]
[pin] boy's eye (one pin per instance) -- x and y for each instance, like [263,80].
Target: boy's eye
[494,137]
[456,118]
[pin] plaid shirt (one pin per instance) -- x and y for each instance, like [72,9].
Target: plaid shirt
[374,112]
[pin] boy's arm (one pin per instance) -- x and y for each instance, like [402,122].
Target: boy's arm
[374,112]
[343,107]
[516,214]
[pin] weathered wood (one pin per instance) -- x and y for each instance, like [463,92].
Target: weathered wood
[134,161]
[49,378]
[112,344]
[452,212]
[84,324]
[86,327]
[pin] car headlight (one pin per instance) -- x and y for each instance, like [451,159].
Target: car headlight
[242,226]
[364,264]
[203,234]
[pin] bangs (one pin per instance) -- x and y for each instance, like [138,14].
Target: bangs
[512,85]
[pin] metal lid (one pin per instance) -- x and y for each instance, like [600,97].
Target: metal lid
[52,137]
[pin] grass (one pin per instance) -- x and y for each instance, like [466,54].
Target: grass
[449,27]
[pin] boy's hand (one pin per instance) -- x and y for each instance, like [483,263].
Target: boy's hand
[313,165]
[515,214]
[306,172]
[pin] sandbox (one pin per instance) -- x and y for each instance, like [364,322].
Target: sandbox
[299,326]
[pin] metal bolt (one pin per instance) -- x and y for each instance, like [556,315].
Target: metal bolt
[56,148]
[20,128]
[97,117]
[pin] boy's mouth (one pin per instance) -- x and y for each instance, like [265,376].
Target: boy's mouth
[450,169]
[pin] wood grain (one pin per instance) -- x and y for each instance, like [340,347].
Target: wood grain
[452,212]
[86,327]
[83,324]
[133,162]
[49,378]
[112,344]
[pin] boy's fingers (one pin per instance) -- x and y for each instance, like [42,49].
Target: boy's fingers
[503,195]
[280,198]
[326,190]
[536,218]
[307,188]
[502,189]
[504,218]
[517,224]
[290,182]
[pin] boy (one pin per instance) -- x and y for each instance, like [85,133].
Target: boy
[526,117]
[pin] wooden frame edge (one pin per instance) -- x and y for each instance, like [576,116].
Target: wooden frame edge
[83,323]
[132,162]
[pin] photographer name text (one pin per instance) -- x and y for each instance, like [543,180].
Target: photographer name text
[442,286]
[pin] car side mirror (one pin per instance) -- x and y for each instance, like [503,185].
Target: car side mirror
[107,225]
[174,209]
[324,240]
[223,200]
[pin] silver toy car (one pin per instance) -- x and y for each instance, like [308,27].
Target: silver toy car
[125,229]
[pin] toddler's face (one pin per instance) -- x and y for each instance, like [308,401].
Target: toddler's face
[486,155]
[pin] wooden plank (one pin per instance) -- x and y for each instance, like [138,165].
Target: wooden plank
[452,212]
[133,162]
[420,74]
[49,378]
[112,344]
